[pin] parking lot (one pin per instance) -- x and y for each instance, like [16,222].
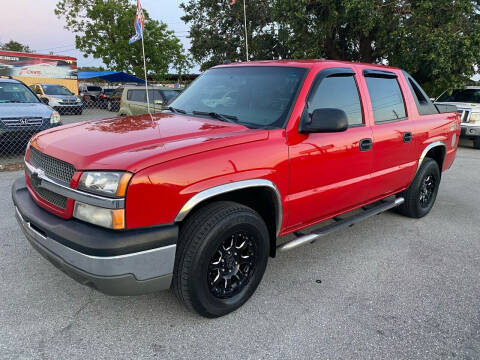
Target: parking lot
[387,288]
[15,153]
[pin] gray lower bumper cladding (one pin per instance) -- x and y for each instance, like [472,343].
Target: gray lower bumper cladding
[127,274]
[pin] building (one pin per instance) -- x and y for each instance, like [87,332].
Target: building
[37,68]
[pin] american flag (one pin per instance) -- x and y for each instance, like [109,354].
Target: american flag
[139,24]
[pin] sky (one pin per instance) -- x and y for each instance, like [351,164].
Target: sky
[33,23]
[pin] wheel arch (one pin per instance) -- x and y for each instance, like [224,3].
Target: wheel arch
[259,194]
[436,151]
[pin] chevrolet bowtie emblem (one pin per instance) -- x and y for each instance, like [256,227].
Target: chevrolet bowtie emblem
[36,177]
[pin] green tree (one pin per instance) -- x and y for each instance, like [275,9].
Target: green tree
[15,46]
[436,41]
[217,31]
[91,68]
[103,28]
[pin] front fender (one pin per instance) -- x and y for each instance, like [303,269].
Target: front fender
[165,193]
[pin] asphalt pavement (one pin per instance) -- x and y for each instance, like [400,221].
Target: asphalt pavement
[387,288]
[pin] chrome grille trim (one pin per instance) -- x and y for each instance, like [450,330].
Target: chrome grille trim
[54,168]
[22,122]
[465,114]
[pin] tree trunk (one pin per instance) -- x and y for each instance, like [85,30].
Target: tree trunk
[366,50]
[331,50]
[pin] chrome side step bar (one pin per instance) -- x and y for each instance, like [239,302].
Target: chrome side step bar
[340,224]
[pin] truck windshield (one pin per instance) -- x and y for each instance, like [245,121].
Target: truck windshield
[461,95]
[16,93]
[258,96]
[55,90]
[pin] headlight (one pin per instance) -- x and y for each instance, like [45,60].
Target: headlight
[112,219]
[77,100]
[109,183]
[475,118]
[54,118]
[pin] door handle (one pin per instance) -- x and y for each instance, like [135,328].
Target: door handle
[366,144]
[407,137]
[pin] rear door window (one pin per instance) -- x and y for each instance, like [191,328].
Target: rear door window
[136,95]
[387,100]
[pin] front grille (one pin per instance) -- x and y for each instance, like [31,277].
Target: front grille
[49,196]
[464,115]
[54,168]
[68,102]
[17,122]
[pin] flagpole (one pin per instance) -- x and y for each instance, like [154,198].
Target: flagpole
[245,20]
[145,70]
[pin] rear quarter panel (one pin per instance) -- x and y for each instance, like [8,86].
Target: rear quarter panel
[428,129]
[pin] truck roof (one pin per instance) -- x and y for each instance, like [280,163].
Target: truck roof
[304,63]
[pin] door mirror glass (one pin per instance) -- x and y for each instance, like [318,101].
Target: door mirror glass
[325,120]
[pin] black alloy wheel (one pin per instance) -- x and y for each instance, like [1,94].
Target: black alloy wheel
[221,256]
[232,265]
[422,192]
[427,189]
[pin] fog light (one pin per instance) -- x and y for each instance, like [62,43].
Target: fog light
[109,218]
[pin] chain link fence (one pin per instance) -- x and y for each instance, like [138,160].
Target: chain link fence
[19,120]
[17,128]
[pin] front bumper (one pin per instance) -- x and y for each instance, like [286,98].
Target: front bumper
[115,263]
[469,130]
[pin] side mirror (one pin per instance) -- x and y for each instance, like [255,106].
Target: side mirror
[325,121]
[44,100]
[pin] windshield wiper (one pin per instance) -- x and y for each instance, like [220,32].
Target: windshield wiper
[176,111]
[222,117]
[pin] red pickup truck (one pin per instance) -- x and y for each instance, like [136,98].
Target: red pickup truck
[195,198]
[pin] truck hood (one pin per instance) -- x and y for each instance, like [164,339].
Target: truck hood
[19,110]
[135,142]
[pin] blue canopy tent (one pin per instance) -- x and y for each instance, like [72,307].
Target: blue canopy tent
[112,76]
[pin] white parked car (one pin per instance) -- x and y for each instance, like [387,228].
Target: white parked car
[467,101]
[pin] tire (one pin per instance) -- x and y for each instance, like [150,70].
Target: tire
[476,142]
[422,192]
[201,280]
